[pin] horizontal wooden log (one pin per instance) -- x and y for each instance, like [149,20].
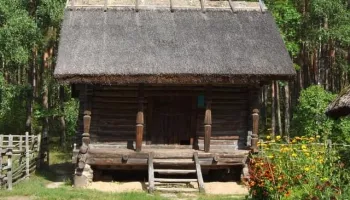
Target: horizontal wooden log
[221,137]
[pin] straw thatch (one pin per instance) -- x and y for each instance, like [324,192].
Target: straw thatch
[157,42]
[340,107]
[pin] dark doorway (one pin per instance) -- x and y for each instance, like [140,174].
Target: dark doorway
[171,120]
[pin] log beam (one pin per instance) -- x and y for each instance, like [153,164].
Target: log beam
[207,120]
[140,119]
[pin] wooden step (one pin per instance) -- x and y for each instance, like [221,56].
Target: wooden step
[175,171]
[173,161]
[176,189]
[171,180]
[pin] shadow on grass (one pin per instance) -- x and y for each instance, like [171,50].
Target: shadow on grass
[59,172]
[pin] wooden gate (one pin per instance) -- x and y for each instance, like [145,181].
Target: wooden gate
[171,120]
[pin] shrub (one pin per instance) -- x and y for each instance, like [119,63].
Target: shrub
[301,169]
[309,118]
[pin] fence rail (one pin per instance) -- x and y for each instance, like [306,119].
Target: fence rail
[18,158]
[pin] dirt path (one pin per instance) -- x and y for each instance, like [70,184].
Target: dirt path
[222,188]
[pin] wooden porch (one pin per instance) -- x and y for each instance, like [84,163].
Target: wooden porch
[116,156]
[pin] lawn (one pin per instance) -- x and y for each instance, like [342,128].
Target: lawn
[35,187]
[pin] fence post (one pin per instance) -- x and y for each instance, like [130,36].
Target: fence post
[1,139]
[9,162]
[27,154]
[329,144]
[39,151]
[20,142]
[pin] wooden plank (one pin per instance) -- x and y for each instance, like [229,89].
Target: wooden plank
[175,171]
[27,154]
[9,164]
[161,189]
[199,173]
[1,155]
[150,173]
[173,161]
[172,180]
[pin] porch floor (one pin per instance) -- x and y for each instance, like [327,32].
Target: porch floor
[117,155]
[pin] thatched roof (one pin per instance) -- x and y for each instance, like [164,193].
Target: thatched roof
[154,45]
[340,107]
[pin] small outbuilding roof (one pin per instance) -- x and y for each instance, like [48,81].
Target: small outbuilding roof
[340,107]
[155,45]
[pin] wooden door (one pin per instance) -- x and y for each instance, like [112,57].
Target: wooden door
[171,120]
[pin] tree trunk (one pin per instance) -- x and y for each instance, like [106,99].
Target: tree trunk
[287,110]
[273,112]
[62,119]
[279,120]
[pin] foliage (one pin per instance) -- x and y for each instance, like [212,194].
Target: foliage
[71,112]
[309,118]
[341,131]
[288,20]
[18,32]
[301,169]
[12,120]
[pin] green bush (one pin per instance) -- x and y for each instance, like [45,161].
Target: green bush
[309,118]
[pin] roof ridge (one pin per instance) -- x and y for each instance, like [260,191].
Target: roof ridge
[171,5]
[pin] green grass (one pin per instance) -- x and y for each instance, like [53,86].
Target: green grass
[35,186]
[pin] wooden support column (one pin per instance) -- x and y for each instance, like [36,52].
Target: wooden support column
[255,131]
[207,119]
[254,120]
[83,172]
[140,119]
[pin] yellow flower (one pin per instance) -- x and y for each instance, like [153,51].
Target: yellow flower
[268,137]
[324,179]
[297,138]
[278,137]
[321,161]
[294,154]
[311,138]
[270,156]
[307,169]
[317,136]
[307,154]
[272,141]
[303,146]
[294,141]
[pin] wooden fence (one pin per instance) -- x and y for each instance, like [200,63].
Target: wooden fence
[18,158]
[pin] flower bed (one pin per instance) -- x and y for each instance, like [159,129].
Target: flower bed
[303,168]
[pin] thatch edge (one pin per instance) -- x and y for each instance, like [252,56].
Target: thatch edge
[339,108]
[172,79]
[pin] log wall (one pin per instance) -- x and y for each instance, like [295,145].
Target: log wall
[114,110]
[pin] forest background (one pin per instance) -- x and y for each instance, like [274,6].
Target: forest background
[316,33]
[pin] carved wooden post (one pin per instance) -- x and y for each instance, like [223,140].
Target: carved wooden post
[140,119]
[83,173]
[255,119]
[207,120]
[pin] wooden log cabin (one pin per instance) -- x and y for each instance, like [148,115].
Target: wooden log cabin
[168,88]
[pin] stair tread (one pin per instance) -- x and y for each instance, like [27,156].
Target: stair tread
[177,180]
[175,171]
[173,161]
[176,189]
